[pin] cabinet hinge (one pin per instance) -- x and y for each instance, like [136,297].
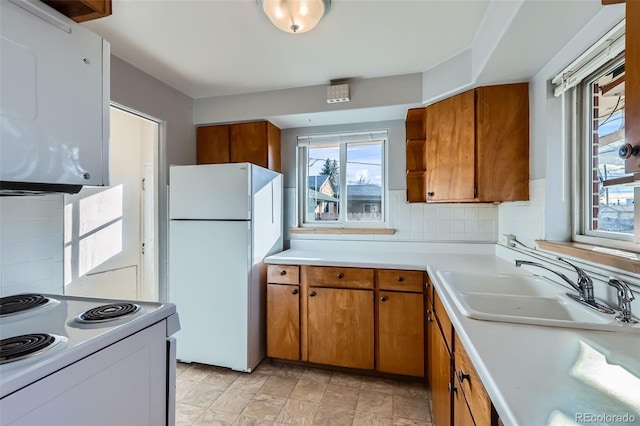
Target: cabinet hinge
[475,191]
[143,179]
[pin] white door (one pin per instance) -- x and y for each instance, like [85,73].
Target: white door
[103,225]
[208,282]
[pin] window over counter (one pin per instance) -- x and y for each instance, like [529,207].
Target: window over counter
[342,179]
[603,193]
[608,200]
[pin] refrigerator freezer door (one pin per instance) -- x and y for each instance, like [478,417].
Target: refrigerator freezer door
[208,282]
[210,192]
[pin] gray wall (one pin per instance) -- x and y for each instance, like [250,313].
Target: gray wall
[365,93]
[137,90]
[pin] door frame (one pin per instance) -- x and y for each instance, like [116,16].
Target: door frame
[161,189]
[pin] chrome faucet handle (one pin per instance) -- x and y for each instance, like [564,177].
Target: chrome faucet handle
[625,296]
[584,281]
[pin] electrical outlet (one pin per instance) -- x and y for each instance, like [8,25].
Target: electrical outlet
[508,240]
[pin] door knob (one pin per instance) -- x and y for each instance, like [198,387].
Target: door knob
[294,291]
[283,272]
[312,294]
[340,275]
[400,279]
[383,298]
[627,150]
[431,194]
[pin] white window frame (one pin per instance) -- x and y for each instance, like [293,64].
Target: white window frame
[342,138]
[573,84]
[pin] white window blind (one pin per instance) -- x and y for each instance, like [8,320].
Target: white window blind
[342,138]
[605,49]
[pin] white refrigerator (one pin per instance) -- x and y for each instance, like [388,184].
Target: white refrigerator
[224,220]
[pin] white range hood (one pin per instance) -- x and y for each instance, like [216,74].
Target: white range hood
[54,102]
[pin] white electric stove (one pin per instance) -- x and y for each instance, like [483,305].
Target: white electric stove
[82,361]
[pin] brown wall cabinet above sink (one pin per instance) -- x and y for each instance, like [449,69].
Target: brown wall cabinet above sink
[476,148]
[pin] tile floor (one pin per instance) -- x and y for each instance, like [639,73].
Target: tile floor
[281,394]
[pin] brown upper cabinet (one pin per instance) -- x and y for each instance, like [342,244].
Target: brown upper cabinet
[81,10]
[632,83]
[255,142]
[415,129]
[477,146]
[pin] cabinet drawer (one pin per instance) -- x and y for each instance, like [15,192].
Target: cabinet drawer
[390,279]
[283,274]
[471,386]
[443,320]
[329,276]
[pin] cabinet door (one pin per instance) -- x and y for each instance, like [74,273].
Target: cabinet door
[213,144]
[283,321]
[249,143]
[439,376]
[503,142]
[461,414]
[470,385]
[632,90]
[82,10]
[451,149]
[400,333]
[340,327]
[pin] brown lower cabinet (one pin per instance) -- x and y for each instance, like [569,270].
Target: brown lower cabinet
[439,373]
[400,333]
[340,327]
[461,411]
[459,397]
[371,319]
[283,315]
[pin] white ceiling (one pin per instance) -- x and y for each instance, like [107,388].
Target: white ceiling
[222,47]
[208,48]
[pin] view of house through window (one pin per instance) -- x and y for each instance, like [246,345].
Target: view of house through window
[610,206]
[343,178]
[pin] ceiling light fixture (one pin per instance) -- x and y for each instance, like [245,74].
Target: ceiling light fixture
[295,16]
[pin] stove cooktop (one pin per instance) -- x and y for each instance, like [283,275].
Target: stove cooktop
[61,317]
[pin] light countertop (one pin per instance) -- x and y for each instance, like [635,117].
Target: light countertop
[534,375]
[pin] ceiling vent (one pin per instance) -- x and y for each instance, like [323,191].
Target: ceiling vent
[338,93]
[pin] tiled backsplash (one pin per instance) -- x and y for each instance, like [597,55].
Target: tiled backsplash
[416,222]
[31,252]
[525,219]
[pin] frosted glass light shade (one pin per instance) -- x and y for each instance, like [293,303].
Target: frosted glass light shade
[295,16]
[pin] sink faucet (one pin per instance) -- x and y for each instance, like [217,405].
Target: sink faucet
[584,286]
[625,296]
[519,263]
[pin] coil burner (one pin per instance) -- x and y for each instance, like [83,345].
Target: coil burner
[15,304]
[106,313]
[26,346]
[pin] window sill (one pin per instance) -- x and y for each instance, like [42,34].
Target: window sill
[377,231]
[620,259]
